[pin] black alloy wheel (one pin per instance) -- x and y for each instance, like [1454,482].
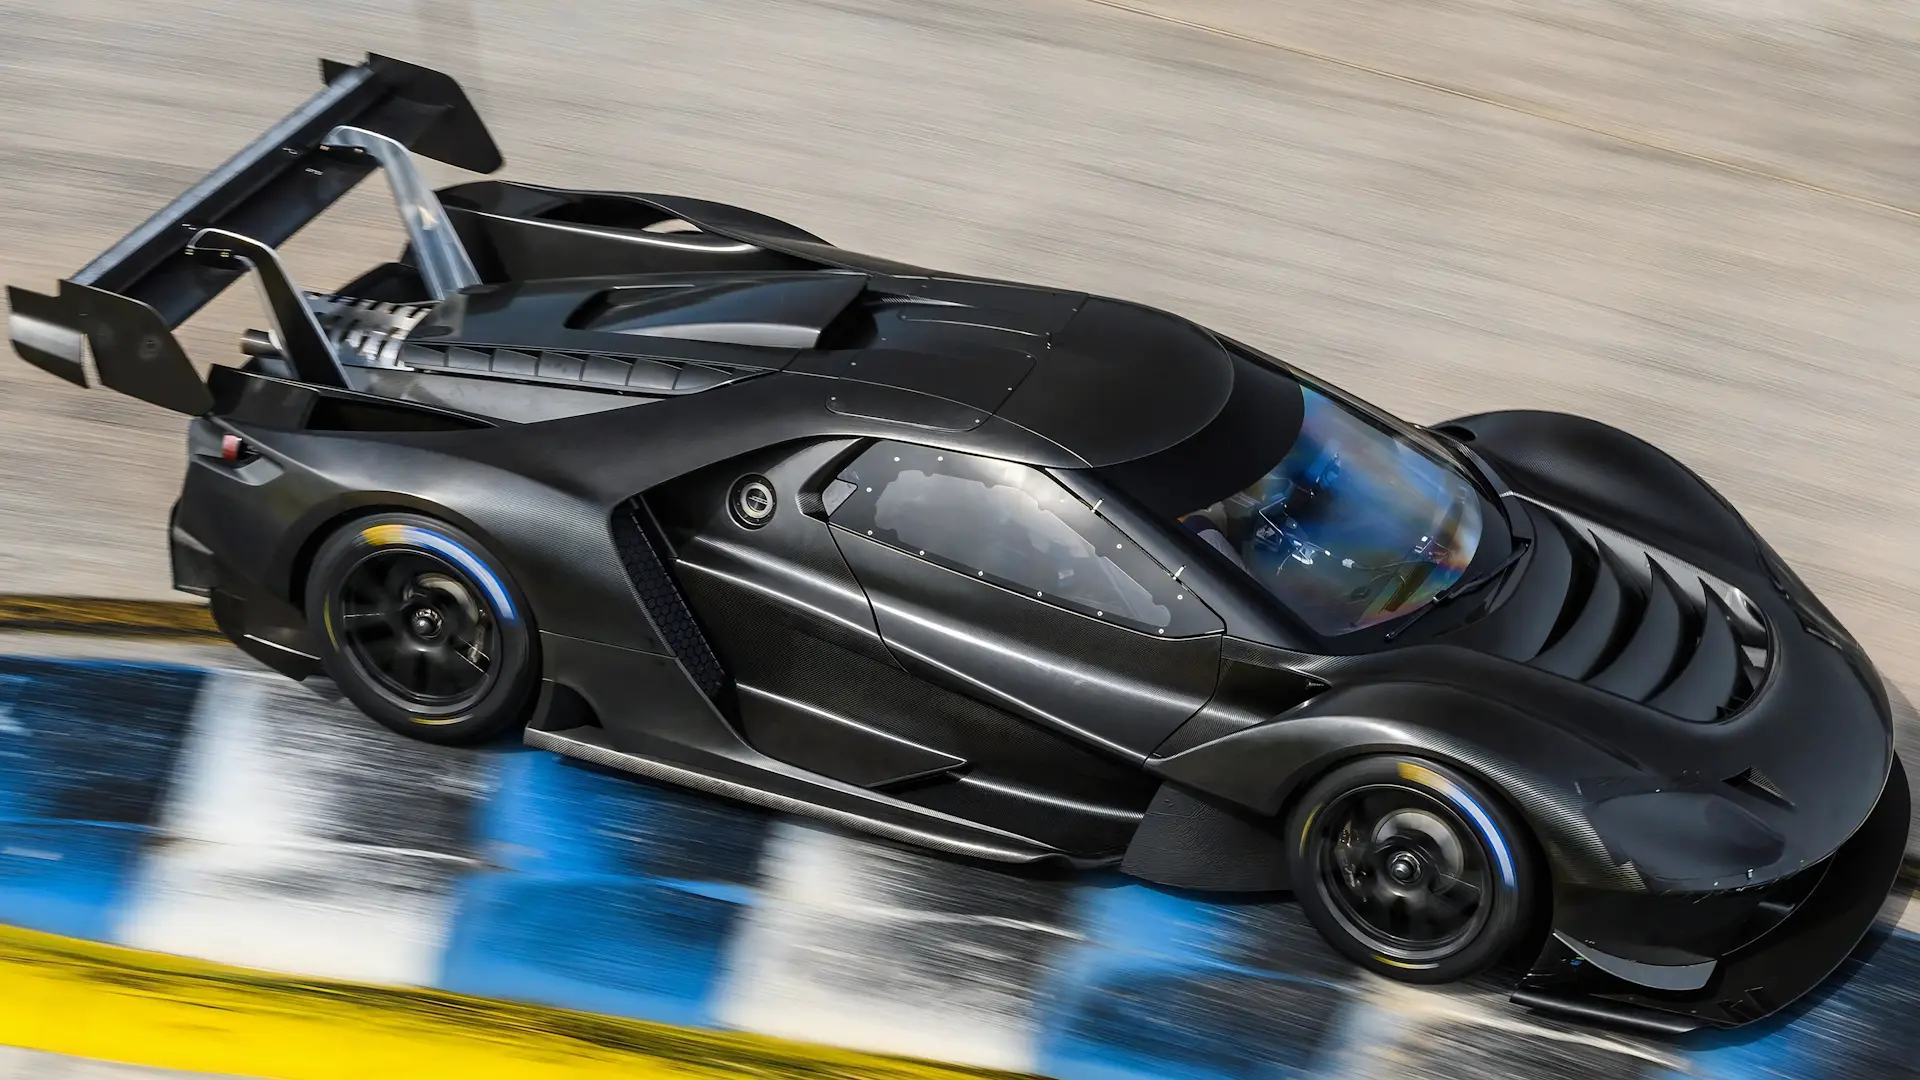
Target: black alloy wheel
[421,629]
[413,623]
[1411,869]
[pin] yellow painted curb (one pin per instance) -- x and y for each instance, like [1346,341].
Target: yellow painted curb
[173,619]
[89,1000]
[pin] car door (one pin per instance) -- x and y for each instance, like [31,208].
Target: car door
[992,580]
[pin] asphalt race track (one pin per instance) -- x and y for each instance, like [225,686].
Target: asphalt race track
[1695,219]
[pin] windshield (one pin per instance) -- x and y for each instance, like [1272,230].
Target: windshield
[1354,526]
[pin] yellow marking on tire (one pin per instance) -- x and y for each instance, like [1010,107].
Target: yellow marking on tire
[383,535]
[1424,776]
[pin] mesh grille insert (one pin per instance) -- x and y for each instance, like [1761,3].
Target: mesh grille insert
[644,553]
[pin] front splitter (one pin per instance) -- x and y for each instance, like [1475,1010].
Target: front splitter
[1766,975]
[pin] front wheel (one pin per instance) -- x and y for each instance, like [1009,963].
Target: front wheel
[421,628]
[1411,868]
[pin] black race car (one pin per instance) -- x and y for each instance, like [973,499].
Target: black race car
[1015,573]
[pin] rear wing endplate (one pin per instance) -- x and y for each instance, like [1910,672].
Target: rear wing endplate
[126,303]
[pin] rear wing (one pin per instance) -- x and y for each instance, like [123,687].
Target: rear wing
[126,303]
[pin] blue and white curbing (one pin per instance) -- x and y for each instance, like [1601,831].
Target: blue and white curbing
[232,816]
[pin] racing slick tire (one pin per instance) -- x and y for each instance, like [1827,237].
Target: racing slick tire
[1411,869]
[420,627]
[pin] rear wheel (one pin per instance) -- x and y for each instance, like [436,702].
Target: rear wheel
[421,628]
[1411,868]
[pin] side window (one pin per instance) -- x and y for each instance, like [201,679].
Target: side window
[1011,526]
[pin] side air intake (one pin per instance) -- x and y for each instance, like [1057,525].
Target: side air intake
[646,556]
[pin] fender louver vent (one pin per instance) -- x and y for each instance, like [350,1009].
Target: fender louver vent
[1760,786]
[1647,627]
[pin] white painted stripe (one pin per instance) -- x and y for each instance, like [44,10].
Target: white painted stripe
[255,871]
[1366,1046]
[18,1064]
[831,955]
[1400,1028]
[1909,918]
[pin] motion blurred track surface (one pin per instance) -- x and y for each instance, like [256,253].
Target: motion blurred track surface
[194,827]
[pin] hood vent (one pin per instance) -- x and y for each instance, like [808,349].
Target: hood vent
[1649,627]
[775,311]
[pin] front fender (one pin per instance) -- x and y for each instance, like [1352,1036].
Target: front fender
[1529,763]
[1615,478]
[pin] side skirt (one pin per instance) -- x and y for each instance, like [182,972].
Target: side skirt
[750,778]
